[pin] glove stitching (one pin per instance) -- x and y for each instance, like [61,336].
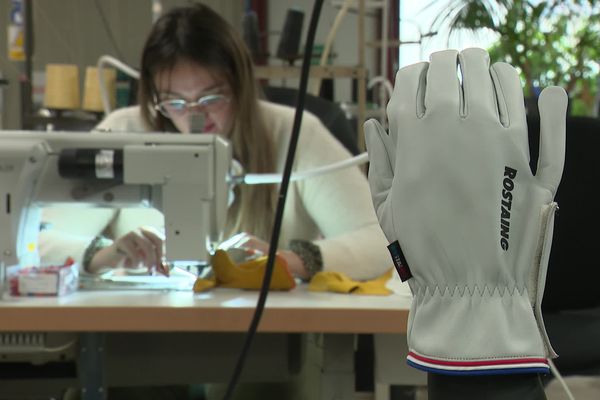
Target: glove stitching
[463,89]
[471,291]
[496,357]
[420,107]
[389,199]
[497,83]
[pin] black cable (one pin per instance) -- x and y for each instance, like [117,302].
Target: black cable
[108,30]
[262,298]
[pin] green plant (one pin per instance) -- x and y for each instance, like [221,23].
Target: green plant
[549,42]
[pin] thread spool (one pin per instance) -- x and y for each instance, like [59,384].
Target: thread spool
[92,100]
[62,87]
[289,44]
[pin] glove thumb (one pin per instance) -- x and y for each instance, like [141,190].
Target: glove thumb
[552,104]
[382,155]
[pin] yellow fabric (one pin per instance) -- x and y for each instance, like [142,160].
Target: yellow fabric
[327,281]
[245,275]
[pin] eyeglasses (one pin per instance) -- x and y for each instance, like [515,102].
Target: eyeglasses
[178,107]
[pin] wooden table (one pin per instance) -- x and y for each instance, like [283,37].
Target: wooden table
[95,314]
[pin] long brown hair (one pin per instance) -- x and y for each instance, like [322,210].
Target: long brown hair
[198,34]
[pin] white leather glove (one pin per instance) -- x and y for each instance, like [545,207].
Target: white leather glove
[451,183]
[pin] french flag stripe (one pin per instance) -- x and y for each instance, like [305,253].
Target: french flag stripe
[516,363]
[477,372]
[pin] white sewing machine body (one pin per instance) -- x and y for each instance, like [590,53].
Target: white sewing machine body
[184,176]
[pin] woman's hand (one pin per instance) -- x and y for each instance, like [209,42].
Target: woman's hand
[142,246]
[252,244]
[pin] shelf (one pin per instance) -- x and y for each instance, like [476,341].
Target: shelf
[391,43]
[355,6]
[331,72]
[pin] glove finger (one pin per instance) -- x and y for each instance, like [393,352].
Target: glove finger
[381,171]
[553,114]
[443,88]
[381,151]
[407,101]
[408,98]
[509,98]
[479,98]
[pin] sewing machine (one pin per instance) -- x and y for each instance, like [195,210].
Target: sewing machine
[184,176]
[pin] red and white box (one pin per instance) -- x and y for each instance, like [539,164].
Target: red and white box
[53,280]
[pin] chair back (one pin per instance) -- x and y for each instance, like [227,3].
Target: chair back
[330,113]
[574,268]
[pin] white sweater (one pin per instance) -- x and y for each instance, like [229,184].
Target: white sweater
[333,210]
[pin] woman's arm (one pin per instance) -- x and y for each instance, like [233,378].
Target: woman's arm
[340,205]
[295,263]
[69,232]
[142,246]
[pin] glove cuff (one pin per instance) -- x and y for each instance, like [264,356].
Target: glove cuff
[496,366]
[475,332]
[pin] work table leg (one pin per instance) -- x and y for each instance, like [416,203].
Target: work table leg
[337,376]
[91,366]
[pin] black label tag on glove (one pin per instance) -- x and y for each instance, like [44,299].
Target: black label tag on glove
[399,261]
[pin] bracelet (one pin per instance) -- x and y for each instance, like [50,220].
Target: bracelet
[97,244]
[309,253]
